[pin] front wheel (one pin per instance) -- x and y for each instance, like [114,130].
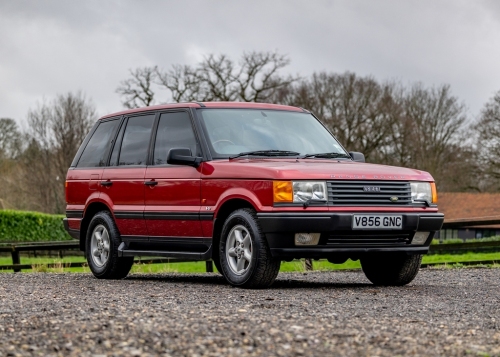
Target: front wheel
[101,249]
[245,257]
[392,269]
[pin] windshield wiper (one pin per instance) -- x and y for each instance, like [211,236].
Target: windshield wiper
[266,153]
[328,155]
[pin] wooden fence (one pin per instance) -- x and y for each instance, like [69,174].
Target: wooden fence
[16,248]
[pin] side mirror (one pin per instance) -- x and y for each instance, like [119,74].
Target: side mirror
[357,156]
[182,156]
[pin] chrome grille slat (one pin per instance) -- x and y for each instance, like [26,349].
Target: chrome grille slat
[352,193]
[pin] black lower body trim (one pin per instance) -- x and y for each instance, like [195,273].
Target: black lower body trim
[74,233]
[74,213]
[129,215]
[174,216]
[124,251]
[195,245]
[325,253]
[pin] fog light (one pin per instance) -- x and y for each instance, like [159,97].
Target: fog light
[307,238]
[419,238]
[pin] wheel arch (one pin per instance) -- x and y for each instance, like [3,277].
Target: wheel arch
[90,211]
[223,212]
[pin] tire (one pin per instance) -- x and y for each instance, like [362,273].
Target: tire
[216,261]
[392,269]
[107,264]
[249,265]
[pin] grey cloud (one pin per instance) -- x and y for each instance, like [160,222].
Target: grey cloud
[50,47]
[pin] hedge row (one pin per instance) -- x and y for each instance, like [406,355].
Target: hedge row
[22,226]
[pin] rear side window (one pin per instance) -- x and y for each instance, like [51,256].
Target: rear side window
[95,153]
[174,131]
[135,143]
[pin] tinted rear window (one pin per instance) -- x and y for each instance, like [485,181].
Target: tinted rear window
[95,153]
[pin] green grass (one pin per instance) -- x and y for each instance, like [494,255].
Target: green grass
[199,267]
[456,258]
[456,240]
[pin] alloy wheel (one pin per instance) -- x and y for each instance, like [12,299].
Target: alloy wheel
[239,249]
[100,245]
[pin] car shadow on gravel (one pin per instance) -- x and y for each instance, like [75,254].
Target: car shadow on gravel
[304,284]
[280,283]
[211,279]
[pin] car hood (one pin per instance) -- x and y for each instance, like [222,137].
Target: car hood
[303,169]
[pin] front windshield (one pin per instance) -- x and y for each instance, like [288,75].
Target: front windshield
[234,131]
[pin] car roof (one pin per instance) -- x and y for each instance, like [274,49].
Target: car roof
[240,105]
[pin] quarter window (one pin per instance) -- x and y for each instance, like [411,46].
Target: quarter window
[134,150]
[174,131]
[95,152]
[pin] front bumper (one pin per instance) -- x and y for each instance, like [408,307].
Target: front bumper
[338,237]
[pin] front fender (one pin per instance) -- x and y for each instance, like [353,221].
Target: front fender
[240,194]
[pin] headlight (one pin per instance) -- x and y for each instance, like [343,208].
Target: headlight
[299,191]
[421,191]
[308,190]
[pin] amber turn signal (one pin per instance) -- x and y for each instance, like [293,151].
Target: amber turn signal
[434,192]
[282,191]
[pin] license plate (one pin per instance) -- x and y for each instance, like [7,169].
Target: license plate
[369,221]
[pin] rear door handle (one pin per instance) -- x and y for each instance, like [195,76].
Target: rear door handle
[151,183]
[106,183]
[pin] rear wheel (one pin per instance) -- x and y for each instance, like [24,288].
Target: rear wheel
[392,269]
[216,261]
[245,257]
[101,250]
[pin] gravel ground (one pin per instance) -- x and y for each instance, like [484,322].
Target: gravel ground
[443,312]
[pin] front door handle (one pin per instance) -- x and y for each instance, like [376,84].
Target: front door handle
[106,183]
[151,183]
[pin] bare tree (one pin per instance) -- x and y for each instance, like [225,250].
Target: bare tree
[488,141]
[55,132]
[10,148]
[427,133]
[259,77]
[355,109]
[254,78]
[138,90]
[183,83]
[10,138]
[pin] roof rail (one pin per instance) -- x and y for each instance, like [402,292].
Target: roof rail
[305,110]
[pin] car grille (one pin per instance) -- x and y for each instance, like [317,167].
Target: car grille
[369,193]
[372,239]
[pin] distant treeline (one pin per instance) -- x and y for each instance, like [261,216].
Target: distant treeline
[426,128]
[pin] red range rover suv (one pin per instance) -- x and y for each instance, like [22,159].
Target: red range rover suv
[247,185]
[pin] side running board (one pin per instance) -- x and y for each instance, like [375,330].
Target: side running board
[124,252]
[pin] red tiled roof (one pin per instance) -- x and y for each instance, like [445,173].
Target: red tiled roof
[459,205]
[465,205]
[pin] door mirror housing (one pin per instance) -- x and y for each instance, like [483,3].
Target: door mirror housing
[357,156]
[182,156]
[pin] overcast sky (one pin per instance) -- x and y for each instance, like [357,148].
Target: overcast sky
[52,47]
